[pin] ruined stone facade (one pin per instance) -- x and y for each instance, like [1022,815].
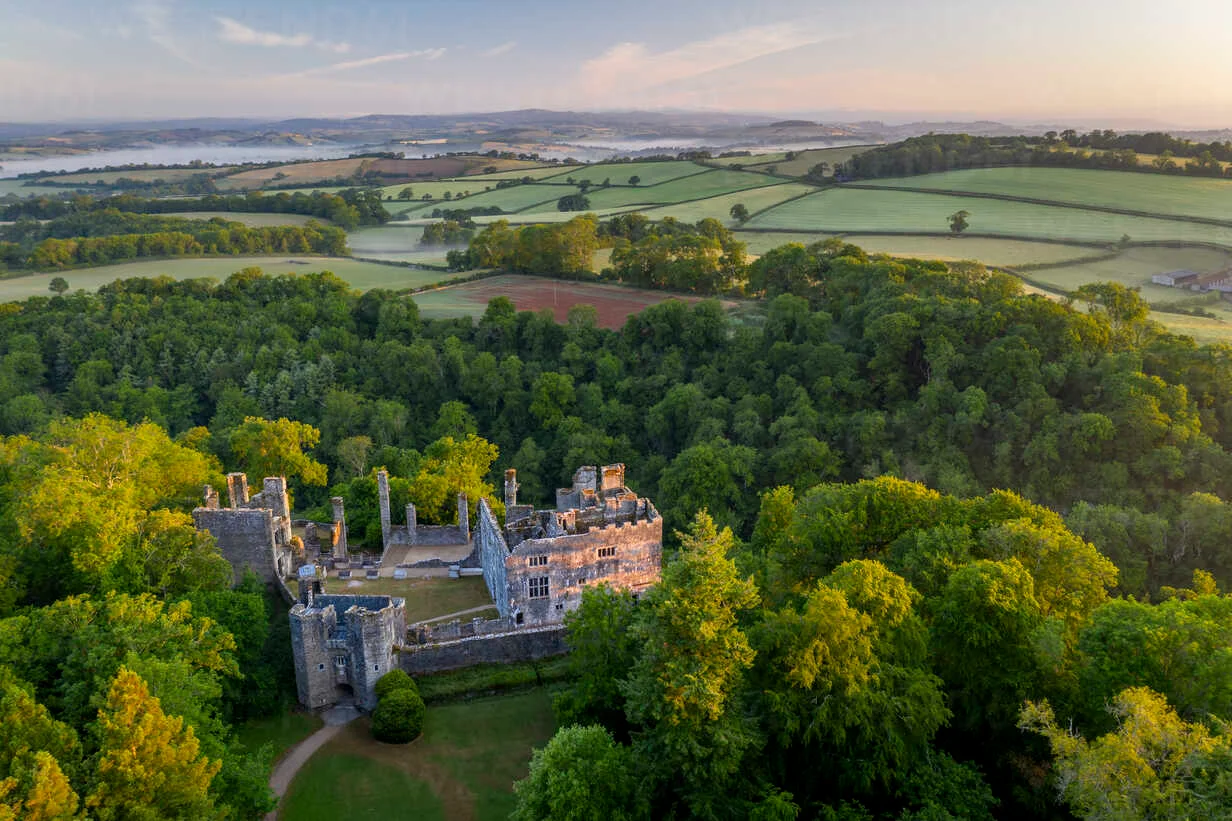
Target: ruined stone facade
[600,532]
[342,644]
[413,534]
[252,532]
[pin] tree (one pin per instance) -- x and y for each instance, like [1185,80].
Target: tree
[635,180]
[1154,767]
[406,193]
[581,774]
[958,221]
[740,212]
[149,764]
[601,652]
[276,448]
[58,285]
[573,202]
[683,689]
[353,454]
[398,717]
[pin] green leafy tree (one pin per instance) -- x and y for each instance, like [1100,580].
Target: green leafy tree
[958,221]
[277,448]
[1154,766]
[739,212]
[581,774]
[602,650]
[58,285]
[683,691]
[398,717]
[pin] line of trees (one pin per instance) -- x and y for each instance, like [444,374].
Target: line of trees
[98,237]
[347,209]
[947,152]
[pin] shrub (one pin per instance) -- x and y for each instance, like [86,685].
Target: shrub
[394,680]
[399,717]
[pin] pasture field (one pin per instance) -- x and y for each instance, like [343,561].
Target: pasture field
[719,207]
[12,185]
[437,188]
[614,303]
[863,210]
[698,186]
[302,172]
[756,159]
[462,767]
[651,173]
[1001,252]
[360,275]
[530,216]
[143,174]
[515,198]
[259,219]
[1134,268]
[395,243]
[474,182]
[306,173]
[806,159]
[1152,193]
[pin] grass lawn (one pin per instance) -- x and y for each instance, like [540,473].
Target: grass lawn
[720,207]
[426,598]
[282,731]
[855,211]
[361,275]
[516,197]
[698,186]
[1153,193]
[806,159]
[463,767]
[255,220]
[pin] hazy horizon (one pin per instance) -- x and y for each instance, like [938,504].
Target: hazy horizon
[1092,62]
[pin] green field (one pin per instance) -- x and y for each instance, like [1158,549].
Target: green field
[856,211]
[756,159]
[1152,193]
[16,187]
[143,175]
[698,186]
[255,220]
[720,207]
[651,173]
[437,188]
[1134,268]
[463,766]
[361,275]
[517,197]
[808,158]
[1002,252]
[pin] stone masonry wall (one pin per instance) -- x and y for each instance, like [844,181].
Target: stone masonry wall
[574,561]
[521,645]
[245,538]
[372,636]
[492,551]
[315,680]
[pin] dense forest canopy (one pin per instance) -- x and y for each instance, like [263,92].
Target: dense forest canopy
[917,520]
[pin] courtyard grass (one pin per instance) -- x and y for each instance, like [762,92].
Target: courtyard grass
[426,598]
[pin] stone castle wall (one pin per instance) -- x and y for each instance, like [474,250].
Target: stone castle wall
[245,538]
[492,551]
[523,644]
[577,560]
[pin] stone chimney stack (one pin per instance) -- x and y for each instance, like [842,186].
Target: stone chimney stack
[211,498]
[340,531]
[382,493]
[412,523]
[511,488]
[237,490]
[464,518]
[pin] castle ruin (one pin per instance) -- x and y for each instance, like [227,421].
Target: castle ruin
[252,532]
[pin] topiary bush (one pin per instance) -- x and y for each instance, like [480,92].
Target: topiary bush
[398,717]
[394,680]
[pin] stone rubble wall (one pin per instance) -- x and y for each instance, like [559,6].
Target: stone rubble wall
[525,644]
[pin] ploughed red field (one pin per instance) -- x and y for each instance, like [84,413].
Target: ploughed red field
[614,303]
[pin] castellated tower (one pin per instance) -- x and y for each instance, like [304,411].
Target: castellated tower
[342,645]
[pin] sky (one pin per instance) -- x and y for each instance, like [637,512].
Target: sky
[1091,62]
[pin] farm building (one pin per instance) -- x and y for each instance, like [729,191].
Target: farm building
[1175,279]
[1217,281]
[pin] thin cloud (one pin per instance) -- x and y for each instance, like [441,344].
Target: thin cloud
[154,15]
[627,65]
[233,31]
[350,65]
[503,48]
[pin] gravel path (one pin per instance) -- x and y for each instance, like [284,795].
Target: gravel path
[280,779]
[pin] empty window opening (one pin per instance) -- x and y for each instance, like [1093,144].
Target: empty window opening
[537,588]
[538,561]
[607,552]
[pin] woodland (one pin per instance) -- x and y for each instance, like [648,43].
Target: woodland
[936,548]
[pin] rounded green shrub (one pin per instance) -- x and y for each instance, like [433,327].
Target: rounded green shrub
[398,717]
[394,680]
